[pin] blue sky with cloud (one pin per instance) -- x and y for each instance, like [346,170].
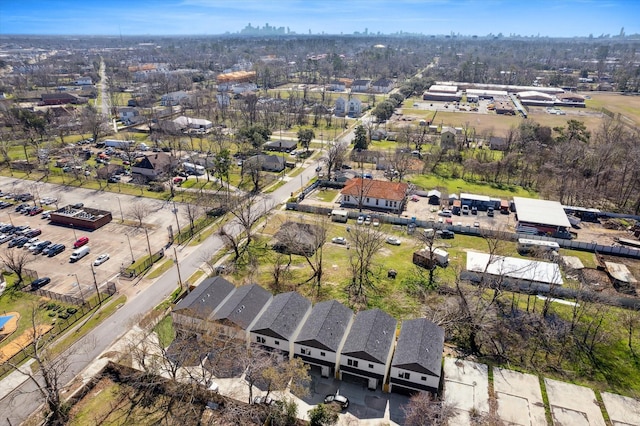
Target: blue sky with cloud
[560,18]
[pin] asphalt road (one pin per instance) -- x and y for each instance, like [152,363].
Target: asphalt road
[24,400]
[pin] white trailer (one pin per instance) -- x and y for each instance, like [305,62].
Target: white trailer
[118,144]
[193,169]
[338,215]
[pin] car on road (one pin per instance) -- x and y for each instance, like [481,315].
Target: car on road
[393,241]
[101,259]
[40,282]
[339,240]
[341,400]
[360,220]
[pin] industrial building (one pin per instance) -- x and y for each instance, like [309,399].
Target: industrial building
[443,93]
[541,217]
[81,218]
[514,268]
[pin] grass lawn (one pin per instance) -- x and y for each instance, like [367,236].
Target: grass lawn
[629,106]
[165,331]
[455,186]
[327,195]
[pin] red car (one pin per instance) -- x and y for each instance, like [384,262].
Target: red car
[178,180]
[80,242]
[35,211]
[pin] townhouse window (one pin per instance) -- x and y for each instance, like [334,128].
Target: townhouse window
[376,201]
[303,351]
[322,354]
[370,365]
[260,339]
[423,378]
[403,375]
[352,363]
[367,199]
[346,198]
[277,342]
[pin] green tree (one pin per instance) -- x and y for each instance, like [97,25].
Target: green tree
[360,139]
[323,415]
[222,163]
[255,135]
[304,137]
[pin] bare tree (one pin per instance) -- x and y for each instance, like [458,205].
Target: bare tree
[139,211]
[239,233]
[334,157]
[193,211]
[366,241]
[48,376]
[424,409]
[16,261]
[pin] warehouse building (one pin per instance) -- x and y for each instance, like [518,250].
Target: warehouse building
[541,217]
[81,218]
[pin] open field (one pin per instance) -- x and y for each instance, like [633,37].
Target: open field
[629,106]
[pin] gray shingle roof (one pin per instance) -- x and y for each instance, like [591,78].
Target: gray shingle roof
[420,347]
[206,297]
[371,336]
[283,316]
[325,326]
[243,305]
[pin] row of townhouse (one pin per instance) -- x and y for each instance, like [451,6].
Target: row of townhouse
[327,336]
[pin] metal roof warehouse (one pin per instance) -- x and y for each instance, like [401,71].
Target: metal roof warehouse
[541,212]
[512,267]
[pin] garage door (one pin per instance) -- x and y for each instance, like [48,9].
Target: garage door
[352,378]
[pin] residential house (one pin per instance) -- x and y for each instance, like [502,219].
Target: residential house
[278,326]
[340,109]
[281,146]
[366,354]
[268,163]
[337,86]
[360,85]
[375,194]
[154,165]
[448,138]
[383,85]
[498,143]
[240,311]
[128,115]
[322,335]
[241,88]
[62,98]
[354,107]
[174,98]
[84,81]
[194,313]
[417,362]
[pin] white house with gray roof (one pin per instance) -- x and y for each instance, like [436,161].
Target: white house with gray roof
[322,336]
[239,312]
[417,362]
[278,326]
[366,354]
[195,312]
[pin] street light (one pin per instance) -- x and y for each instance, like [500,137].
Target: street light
[120,205]
[79,286]
[95,283]
[130,249]
[175,253]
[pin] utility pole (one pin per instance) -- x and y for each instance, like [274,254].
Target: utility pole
[95,283]
[175,253]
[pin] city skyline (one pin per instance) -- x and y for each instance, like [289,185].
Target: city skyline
[565,18]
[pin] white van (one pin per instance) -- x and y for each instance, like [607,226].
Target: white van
[79,254]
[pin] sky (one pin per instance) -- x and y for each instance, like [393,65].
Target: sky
[553,18]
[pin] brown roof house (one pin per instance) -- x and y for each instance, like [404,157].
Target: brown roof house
[154,165]
[375,194]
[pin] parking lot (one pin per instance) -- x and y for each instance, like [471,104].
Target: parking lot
[123,241]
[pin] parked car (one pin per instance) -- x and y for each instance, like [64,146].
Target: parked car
[5,237]
[445,234]
[37,249]
[464,209]
[360,220]
[59,248]
[341,400]
[375,222]
[263,400]
[20,242]
[490,211]
[39,283]
[33,233]
[80,242]
[101,259]
[46,215]
[393,241]
[367,220]
[474,210]
[339,240]
[445,213]
[77,205]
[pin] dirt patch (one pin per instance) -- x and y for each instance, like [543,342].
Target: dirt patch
[10,326]
[22,341]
